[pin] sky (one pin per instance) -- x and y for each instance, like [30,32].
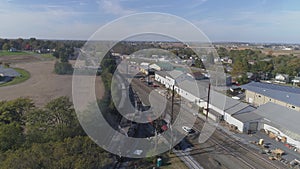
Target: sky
[221,20]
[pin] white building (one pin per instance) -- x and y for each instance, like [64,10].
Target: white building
[296,81]
[170,78]
[280,120]
[160,76]
[282,78]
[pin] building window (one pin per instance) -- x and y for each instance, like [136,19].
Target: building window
[270,99]
[293,107]
[259,95]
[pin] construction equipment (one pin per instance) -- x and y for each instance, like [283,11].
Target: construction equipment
[278,152]
[261,142]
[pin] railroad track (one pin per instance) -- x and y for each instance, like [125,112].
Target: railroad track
[219,138]
[234,147]
[258,156]
[188,160]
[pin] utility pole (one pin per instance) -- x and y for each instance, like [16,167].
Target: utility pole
[148,76]
[172,105]
[207,104]
[171,120]
[127,67]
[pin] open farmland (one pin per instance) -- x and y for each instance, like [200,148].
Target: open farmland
[43,84]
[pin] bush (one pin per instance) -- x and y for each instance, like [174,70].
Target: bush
[62,68]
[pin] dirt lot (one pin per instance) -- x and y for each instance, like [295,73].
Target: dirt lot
[43,84]
[19,59]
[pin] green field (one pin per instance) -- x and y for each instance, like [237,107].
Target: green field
[7,53]
[25,75]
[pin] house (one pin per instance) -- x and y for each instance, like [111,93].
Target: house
[226,60]
[296,81]
[261,93]
[249,75]
[229,61]
[281,78]
[12,49]
[7,74]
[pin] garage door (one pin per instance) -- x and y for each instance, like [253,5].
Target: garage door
[253,126]
[250,100]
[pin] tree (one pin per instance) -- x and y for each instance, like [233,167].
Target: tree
[78,152]
[63,57]
[13,111]
[62,68]
[222,52]
[61,111]
[5,46]
[239,68]
[242,80]
[56,121]
[56,54]
[198,63]
[11,136]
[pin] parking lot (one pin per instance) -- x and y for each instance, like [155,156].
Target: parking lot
[270,144]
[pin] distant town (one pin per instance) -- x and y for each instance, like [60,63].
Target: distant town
[254,100]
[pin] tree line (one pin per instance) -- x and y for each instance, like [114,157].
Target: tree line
[259,64]
[47,137]
[35,44]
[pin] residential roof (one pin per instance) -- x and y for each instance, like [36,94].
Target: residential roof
[285,119]
[296,78]
[8,72]
[284,75]
[286,94]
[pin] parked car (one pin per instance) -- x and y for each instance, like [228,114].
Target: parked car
[188,130]
[155,85]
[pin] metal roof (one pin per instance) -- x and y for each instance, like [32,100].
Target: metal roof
[217,99]
[248,116]
[8,72]
[175,74]
[228,104]
[285,119]
[161,73]
[165,65]
[286,94]
[193,88]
